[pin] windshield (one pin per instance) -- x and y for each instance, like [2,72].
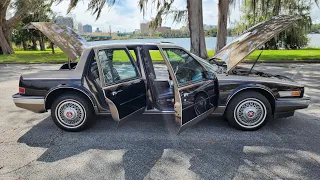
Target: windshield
[206,64]
[187,68]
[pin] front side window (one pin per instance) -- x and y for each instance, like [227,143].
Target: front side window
[116,66]
[186,69]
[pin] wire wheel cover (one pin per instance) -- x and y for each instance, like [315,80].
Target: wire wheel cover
[250,112]
[70,113]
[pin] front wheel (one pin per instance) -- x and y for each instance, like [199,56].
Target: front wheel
[249,111]
[72,112]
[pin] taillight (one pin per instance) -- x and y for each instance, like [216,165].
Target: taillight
[22,90]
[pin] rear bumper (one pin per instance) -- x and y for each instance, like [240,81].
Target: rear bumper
[285,107]
[31,103]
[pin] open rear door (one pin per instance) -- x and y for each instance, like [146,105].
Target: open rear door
[123,87]
[195,86]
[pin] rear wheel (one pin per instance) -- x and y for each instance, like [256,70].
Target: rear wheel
[72,112]
[249,110]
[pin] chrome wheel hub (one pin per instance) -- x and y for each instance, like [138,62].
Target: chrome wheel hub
[250,112]
[70,113]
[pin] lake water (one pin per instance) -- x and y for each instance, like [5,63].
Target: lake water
[185,42]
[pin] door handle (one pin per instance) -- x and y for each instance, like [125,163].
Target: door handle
[116,92]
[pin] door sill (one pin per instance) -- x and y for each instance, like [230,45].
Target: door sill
[151,111]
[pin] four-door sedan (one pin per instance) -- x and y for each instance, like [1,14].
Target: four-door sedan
[129,79]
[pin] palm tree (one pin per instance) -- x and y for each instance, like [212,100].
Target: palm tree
[223,13]
[95,6]
[194,15]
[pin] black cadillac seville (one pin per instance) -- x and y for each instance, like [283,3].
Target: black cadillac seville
[129,79]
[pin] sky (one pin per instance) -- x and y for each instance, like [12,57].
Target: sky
[125,15]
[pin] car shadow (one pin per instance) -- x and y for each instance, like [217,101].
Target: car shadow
[216,150]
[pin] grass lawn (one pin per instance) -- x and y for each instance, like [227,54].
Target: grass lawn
[274,55]
[35,57]
[60,57]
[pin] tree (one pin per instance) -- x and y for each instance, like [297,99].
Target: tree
[22,8]
[261,10]
[195,19]
[42,14]
[95,6]
[193,14]
[223,12]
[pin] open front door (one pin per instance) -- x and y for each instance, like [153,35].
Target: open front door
[121,82]
[195,86]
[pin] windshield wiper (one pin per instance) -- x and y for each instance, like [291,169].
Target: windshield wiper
[254,63]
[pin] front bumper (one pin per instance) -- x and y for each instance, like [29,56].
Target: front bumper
[285,107]
[291,104]
[32,103]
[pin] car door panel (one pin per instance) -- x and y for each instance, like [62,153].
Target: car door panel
[195,99]
[191,112]
[127,97]
[123,87]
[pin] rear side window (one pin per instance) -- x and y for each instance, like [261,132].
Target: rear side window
[117,66]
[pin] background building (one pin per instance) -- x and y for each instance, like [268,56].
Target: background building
[80,28]
[87,28]
[163,29]
[144,28]
[208,26]
[136,31]
[98,30]
[65,21]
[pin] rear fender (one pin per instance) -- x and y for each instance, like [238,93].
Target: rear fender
[68,87]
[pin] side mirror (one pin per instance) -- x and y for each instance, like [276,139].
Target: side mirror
[208,75]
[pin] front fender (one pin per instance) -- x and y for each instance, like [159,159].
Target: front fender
[249,86]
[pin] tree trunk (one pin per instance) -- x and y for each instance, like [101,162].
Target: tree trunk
[195,18]
[5,39]
[24,44]
[223,9]
[41,42]
[34,44]
[52,47]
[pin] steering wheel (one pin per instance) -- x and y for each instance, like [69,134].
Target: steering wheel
[177,67]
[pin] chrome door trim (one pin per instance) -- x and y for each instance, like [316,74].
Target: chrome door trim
[113,109]
[177,97]
[133,99]
[122,83]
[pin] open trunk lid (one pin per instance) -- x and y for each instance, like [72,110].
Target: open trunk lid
[64,37]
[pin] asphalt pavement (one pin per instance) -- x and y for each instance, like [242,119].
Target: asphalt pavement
[147,147]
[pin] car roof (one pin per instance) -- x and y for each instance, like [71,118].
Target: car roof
[162,44]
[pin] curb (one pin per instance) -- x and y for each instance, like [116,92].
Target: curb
[283,61]
[246,62]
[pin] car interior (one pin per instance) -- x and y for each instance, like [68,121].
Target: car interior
[158,82]
[159,79]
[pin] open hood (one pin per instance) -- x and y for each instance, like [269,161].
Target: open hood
[64,37]
[236,51]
